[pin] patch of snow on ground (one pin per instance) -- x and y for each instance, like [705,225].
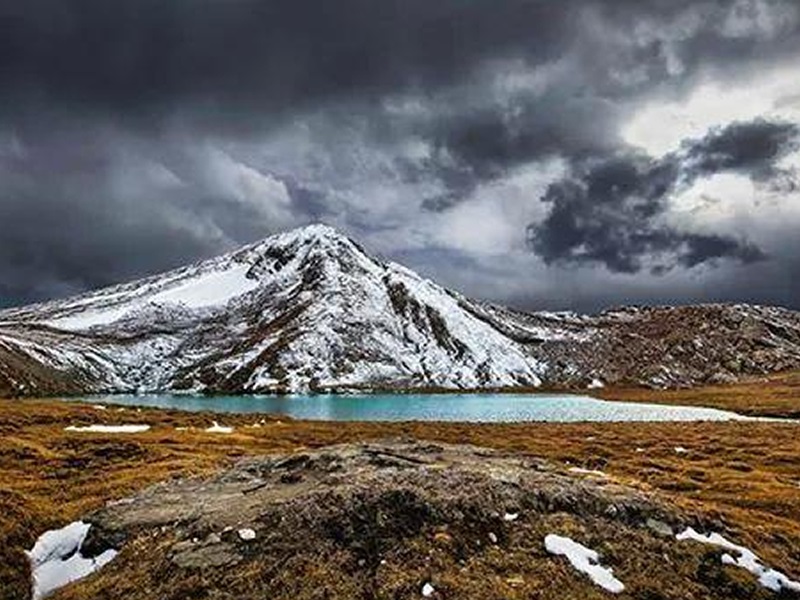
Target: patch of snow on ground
[56,559]
[108,428]
[508,517]
[427,590]
[217,428]
[769,578]
[596,384]
[584,560]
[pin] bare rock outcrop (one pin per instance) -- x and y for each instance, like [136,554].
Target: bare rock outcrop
[391,518]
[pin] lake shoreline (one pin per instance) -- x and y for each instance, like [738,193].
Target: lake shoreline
[770,396]
[450,408]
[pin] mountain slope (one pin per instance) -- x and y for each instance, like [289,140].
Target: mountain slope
[305,309]
[660,347]
[309,309]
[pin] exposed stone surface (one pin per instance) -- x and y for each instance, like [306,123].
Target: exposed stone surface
[383,519]
[660,347]
[425,482]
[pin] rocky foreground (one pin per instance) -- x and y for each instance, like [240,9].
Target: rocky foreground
[408,519]
[310,310]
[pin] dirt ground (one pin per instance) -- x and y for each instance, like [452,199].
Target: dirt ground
[745,476]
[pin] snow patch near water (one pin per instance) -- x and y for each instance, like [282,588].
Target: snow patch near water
[217,428]
[108,428]
[746,559]
[56,558]
[584,560]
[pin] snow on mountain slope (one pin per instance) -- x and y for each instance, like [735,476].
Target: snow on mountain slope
[206,290]
[299,310]
[310,310]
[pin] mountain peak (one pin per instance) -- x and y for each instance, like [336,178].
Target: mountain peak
[317,230]
[320,230]
[317,235]
[314,231]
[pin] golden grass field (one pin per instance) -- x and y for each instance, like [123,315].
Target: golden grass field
[745,474]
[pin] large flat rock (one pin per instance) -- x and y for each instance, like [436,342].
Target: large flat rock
[383,519]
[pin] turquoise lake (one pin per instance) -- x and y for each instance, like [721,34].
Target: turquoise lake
[474,408]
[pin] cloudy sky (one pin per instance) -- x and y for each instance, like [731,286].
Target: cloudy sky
[572,154]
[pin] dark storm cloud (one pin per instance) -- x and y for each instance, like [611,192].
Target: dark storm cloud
[233,64]
[246,58]
[90,208]
[71,245]
[610,211]
[624,52]
[138,123]
[556,123]
[753,148]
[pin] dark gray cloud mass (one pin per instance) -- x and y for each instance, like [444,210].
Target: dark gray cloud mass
[611,210]
[752,148]
[137,135]
[233,64]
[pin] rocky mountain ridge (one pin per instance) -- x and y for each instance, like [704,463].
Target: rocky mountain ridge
[311,310]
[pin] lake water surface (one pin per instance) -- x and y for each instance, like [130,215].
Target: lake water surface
[481,408]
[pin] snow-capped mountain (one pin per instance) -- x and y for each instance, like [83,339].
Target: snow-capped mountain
[304,309]
[310,309]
